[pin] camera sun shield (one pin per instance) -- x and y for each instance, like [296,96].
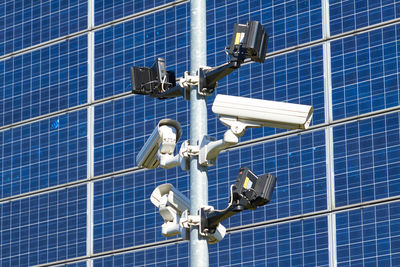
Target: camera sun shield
[252,39]
[251,191]
[264,189]
[248,192]
[152,81]
[144,80]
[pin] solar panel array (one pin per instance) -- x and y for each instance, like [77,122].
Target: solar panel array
[70,192]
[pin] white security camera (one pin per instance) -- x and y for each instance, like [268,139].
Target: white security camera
[258,112]
[239,113]
[171,204]
[162,142]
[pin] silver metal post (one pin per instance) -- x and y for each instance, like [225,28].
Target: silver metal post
[198,128]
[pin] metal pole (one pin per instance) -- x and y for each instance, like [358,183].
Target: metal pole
[198,128]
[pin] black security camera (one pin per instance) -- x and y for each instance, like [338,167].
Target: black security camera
[249,42]
[153,81]
[248,192]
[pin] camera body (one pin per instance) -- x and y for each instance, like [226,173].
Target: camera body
[152,81]
[263,113]
[162,141]
[171,204]
[249,41]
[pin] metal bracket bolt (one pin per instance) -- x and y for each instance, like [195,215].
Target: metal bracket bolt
[187,220]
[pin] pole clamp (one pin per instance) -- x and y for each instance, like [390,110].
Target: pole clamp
[187,150]
[199,80]
[193,150]
[187,220]
[188,80]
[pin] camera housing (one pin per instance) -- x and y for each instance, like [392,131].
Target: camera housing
[171,204]
[248,192]
[161,142]
[152,81]
[251,191]
[249,41]
[266,113]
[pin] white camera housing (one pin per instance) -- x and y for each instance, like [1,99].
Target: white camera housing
[162,141]
[266,113]
[171,204]
[239,113]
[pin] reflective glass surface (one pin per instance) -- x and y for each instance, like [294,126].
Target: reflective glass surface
[44,228]
[124,216]
[108,10]
[369,236]
[349,15]
[43,154]
[365,72]
[367,159]
[27,23]
[43,81]
[297,243]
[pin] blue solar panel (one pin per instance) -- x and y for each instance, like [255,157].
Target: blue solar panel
[43,81]
[288,23]
[27,23]
[108,10]
[44,228]
[298,162]
[171,255]
[78,264]
[347,15]
[122,126]
[297,243]
[367,159]
[138,43]
[295,77]
[124,216]
[43,154]
[43,151]
[369,236]
[120,47]
[365,75]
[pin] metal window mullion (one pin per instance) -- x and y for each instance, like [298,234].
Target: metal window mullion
[330,178]
[90,132]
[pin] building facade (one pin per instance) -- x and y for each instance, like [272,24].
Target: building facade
[71,193]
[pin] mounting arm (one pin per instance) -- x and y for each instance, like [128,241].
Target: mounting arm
[249,192]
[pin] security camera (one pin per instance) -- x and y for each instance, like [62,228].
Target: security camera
[249,41]
[161,142]
[249,192]
[152,81]
[171,204]
[258,112]
[239,113]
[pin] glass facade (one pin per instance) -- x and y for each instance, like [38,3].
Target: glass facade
[72,195]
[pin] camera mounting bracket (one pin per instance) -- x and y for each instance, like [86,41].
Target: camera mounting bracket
[187,220]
